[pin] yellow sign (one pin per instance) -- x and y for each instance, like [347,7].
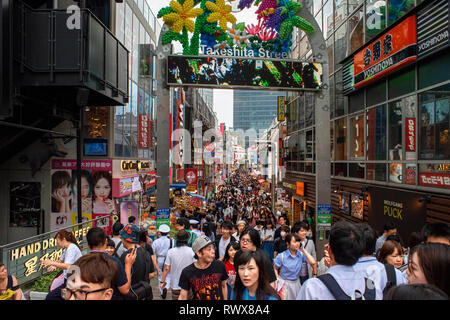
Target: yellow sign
[132,165]
[191,188]
[281,108]
[292,111]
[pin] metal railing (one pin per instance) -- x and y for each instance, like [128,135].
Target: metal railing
[22,258]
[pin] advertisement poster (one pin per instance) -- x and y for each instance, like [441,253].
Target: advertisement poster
[162,217]
[324,215]
[191,176]
[410,173]
[25,204]
[395,172]
[357,207]
[96,191]
[128,209]
[343,203]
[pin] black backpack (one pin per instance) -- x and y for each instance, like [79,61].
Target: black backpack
[391,278]
[330,282]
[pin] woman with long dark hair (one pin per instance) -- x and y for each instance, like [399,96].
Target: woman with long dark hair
[430,264]
[251,281]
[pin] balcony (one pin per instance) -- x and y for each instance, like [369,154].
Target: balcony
[83,66]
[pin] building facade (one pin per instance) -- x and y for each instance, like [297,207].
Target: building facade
[389,81]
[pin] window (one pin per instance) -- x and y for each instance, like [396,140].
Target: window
[341,139]
[395,130]
[340,47]
[434,124]
[375,18]
[330,49]
[352,4]
[340,169]
[356,170]
[328,19]
[120,22]
[398,9]
[376,171]
[402,83]
[376,133]
[309,109]
[357,137]
[356,30]
[340,11]
[430,71]
[316,5]
[376,93]
[356,101]
[320,23]
[301,111]
[340,102]
[118,131]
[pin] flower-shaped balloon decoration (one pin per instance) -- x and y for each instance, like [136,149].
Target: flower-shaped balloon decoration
[254,30]
[220,13]
[267,34]
[180,18]
[238,35]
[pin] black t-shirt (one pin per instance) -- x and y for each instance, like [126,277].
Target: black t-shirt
[280,245]
[206,284]
[150,252]
[268,265]
[141,267]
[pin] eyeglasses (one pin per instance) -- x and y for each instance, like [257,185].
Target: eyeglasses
[67,293]
[246,241]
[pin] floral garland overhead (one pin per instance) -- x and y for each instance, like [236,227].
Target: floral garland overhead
[215,26]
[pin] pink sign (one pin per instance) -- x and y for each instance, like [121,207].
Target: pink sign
[435,180]
[410,134]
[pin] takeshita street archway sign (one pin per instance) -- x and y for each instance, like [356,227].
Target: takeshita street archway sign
[212,25]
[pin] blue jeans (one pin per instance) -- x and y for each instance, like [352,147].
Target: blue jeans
[268,247]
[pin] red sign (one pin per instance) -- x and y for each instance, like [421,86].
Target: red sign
[144,131]
[435,180]
[180,174]
[389,52]
[411,134]
[191,176]
[196,202]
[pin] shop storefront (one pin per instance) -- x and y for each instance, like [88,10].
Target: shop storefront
[302,192]
[393,137]
[133,191]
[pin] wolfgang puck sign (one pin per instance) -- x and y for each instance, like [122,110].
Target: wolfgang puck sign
[392,50]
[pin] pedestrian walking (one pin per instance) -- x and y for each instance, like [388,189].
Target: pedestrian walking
[267,237]
[308,270]
[161,246]
[177,259]
[206,277]
[230,252]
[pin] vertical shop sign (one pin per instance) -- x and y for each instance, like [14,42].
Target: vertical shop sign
[144,131]
[410,134]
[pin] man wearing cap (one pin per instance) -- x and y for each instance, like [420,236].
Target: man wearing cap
[160,247]
[176,260]
[194,227]
[206,277]
[240,226]
[142,266]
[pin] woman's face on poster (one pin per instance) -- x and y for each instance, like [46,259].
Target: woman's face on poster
[102,189]
[85,188]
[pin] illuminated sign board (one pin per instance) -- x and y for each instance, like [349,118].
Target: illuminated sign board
[233,72]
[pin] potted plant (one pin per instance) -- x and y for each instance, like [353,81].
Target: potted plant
[41,287]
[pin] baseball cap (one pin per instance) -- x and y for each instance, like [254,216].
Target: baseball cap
[240,222]
[130,233]
[200,243]
[164,228]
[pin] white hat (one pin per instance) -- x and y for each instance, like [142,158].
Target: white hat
[164,228]
[194,222]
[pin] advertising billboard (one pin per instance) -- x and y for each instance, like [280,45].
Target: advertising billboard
[233,72]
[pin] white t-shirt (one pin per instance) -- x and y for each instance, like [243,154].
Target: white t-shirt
[222,246]
[178,258]
[266,232]
[70,256]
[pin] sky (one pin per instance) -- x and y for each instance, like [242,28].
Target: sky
[223,98]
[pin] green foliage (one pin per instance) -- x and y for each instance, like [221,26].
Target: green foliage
[294,7]
[165,11]
[43,283]
[303,24]
[240,26]
[170,36]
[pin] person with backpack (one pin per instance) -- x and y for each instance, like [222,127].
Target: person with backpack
[384,276]
[160,247]
[288,265]
[141,269]
[342,281]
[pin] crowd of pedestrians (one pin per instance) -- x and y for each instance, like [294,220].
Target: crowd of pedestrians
[238,249]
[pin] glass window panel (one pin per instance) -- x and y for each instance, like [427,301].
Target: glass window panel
[376,133]
[353,4]
[356,31]
[434,124]
[340,12]
[332,140]
[309,109]
[328,19]
[376,93]
[357,137]
[309,145]
[330,50]
[301,111]
[128,26]
[340,47]
[341,139]
[340,105]
[120,22]
[118,131]
[301,146]
[320,23]
[375,18]
[145,11]
[316,5]
[376,171]
[340,169]
[402,83]
[395,130]
[332,96]
[135,49]
[356,101]
[356,170]
[398,9]
[430,72]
